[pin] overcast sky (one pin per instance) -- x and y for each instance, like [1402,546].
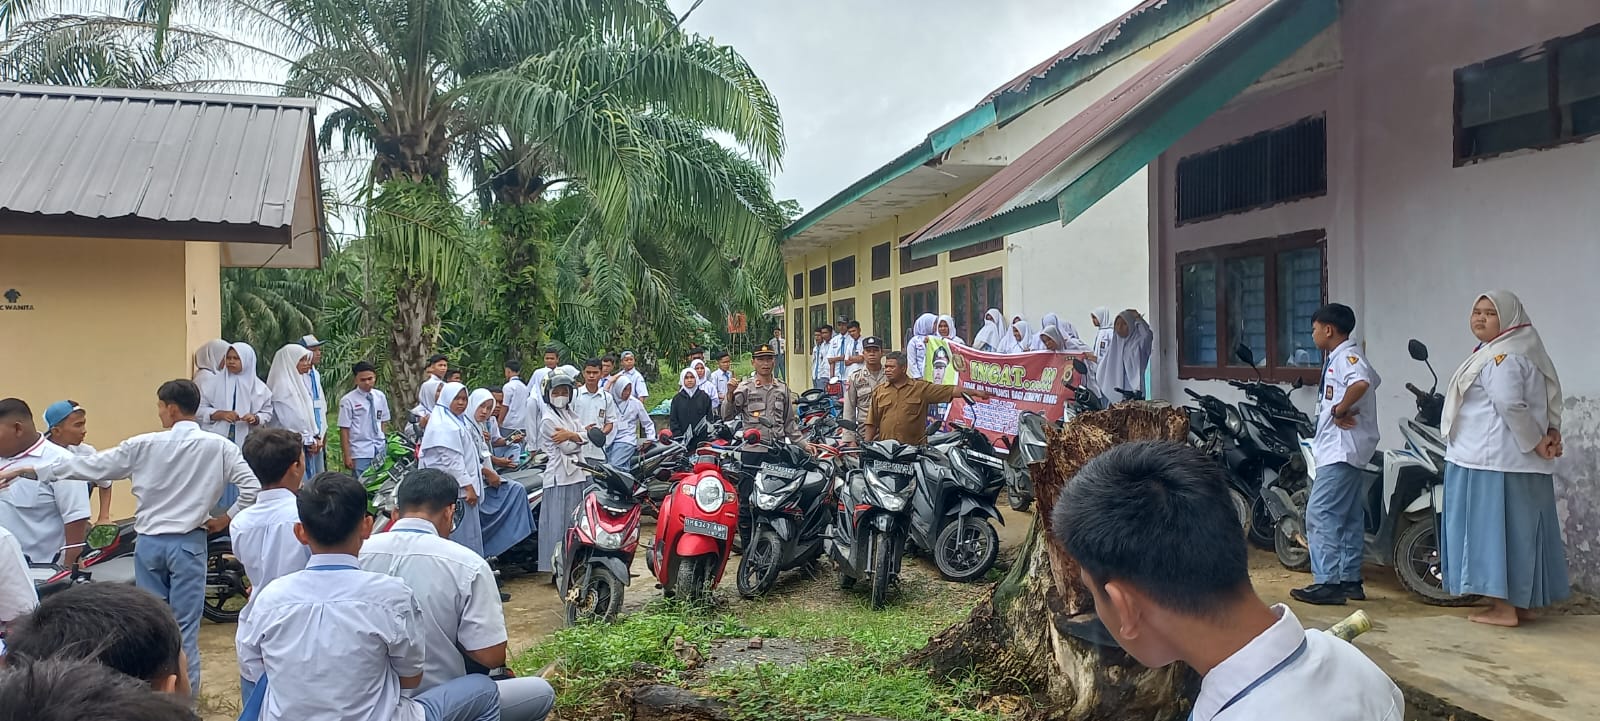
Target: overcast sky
[862,81]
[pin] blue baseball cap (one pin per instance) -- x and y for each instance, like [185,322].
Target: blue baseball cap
[58,412]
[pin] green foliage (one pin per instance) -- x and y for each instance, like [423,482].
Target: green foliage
[269,308]
[831,687]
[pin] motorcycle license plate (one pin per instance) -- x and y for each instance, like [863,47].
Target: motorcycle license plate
[785,472]
[714,530]
[897,468]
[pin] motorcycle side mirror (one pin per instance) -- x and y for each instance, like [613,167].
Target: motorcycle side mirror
[597,437]
[1419,352]
[1080,367]
[1245,355]
[846,424]
[1299,383]
[752,437]
[101,536]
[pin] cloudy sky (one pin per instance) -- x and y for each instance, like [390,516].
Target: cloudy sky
[862,81]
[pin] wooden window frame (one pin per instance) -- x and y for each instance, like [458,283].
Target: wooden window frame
[888,296]
[882,260]
[833,313]
[991,245]
[798,290]
[797,344]
[966,326]
[912,265]
[909,325]
[1269,249]
[818,289]
[844,278]
[1550,49]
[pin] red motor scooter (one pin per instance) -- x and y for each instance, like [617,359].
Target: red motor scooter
[591,568]
[695,529]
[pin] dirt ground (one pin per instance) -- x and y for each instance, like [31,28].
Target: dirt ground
[535,611]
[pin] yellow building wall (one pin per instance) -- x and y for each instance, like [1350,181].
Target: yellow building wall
[860,245]
[112,319]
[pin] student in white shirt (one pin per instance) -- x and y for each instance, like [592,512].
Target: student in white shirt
[515,393]
[178,475]
[120,627]
[563,439]
[263,534]
[504,518]
[452,444]
[1347,436]
[49,520]
[594,407]
[315,462]
[292,407]
[629,368]
[702,375]
[336,643]
[362,413]
[208,360]
[67,425]
[83,690]
[1161,550]
[820,352]
[633,423]
[1500,534]
[235,401]
[438,365]
[844,351]
[722,378]
[17,595]
[461,607]
[536,388]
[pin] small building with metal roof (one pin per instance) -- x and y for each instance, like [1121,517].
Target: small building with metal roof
[118,210]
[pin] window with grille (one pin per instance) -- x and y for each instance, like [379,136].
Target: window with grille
[844,311]
[844,273]
[1536,97]
[915,301]
[798,333]
[1265,169]
[819,318]
[973,251]
[880,260]
[882,317]
[819,281]
[799,290]
[973,295]
[909,264]
[1260,294]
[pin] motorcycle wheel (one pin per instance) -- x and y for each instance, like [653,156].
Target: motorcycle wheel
[1261,529]
[1416,562]
[758,569]
[691,579]
[966,549]
[227,586]
[1291,553]
[599,599]
[885,556]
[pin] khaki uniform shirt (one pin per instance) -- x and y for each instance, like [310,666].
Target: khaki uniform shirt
[901,412]
[752,401]
[858,396]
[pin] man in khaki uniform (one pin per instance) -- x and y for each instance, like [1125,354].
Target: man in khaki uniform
[762,400]
[858,389]
[900,405]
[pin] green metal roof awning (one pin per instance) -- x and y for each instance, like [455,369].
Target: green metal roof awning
[1107,143]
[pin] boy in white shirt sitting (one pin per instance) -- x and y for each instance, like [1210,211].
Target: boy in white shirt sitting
[1162,552]
[336,643]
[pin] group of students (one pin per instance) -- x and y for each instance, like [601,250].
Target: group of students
[235,401]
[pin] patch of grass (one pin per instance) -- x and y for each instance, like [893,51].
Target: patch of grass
[894,631]
[835,686]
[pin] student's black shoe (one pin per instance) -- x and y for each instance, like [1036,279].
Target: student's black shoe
[1354,591]
[1320,594]
[504,597]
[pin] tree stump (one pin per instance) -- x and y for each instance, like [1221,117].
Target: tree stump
[1022,635]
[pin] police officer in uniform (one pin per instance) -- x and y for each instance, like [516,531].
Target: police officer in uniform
[858,388]
[763,401]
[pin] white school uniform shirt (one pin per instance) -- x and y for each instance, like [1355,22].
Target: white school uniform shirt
[362,415]
[633,422]
[178,476]
[1504,414]
[84,449]
[454,587]
[17,595]
[820,353]
[516,394]
[334,641]
[639,389]
[562,468]
[1326,680]
[1347,365]
[319,401]
[720,380]
[594,409]
[263,537]
[845,346]
[36,512]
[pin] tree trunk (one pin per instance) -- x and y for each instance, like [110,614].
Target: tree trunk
[416,311]
[1029,633]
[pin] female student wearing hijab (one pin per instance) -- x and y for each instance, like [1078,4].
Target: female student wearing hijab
[917,348]
[503,515]
[292,408]
[1018,339]
[1068,335]
[1500,536]
[988,338]
[208,361]
[946,329]
[235,401]
[702,374]
[452,444]
[633,423]
[563,436]
[1105,327]
[1122,366]
[690,406]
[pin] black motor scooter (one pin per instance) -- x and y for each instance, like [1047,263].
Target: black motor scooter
[953,509]
[874,515]
[791,509]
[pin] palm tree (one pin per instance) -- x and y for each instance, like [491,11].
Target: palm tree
[268,307]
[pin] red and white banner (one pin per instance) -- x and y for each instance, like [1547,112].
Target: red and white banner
[1021,382]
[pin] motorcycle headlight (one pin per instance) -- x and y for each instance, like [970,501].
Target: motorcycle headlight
[767,501]
[1235,422]
[708,495]
[607,540]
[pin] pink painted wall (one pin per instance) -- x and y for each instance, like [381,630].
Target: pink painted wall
[1412,239]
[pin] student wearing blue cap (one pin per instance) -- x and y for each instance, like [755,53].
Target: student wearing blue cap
[48,520]
[66,425]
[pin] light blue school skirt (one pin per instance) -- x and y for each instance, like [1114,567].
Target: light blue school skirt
[1500,537]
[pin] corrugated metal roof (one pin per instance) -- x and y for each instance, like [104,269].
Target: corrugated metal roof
[114,153]
[1031,179]
[1086,45]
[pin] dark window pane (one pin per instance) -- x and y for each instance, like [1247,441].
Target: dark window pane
[1264,169]
[973,251]
[844,311]
[1199,307]
[1299,296]
[819,318]
[798,334]
[1578,83]
[960,290]
[880,260]
[1505,106]
[844,273]
[799,286]
[882,312]
[819,281]
[909,264]
[1245,291]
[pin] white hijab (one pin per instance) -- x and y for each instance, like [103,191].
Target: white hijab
[235,391]
[288,385]
[1054,334]
[953,336]
[1010,344]
[917,348]
[1125,360]
[1517,337]
[699,385]
[988,337]
[208,357]
[448,430]
[625,382]
[474,402]
[427,396]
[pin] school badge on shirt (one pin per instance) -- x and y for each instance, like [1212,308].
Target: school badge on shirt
[1499,358]
[1352,359]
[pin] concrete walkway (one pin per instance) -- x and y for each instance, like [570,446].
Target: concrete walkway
[1546,670]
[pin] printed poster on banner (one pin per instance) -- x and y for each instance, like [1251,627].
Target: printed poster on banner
[1020,382]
